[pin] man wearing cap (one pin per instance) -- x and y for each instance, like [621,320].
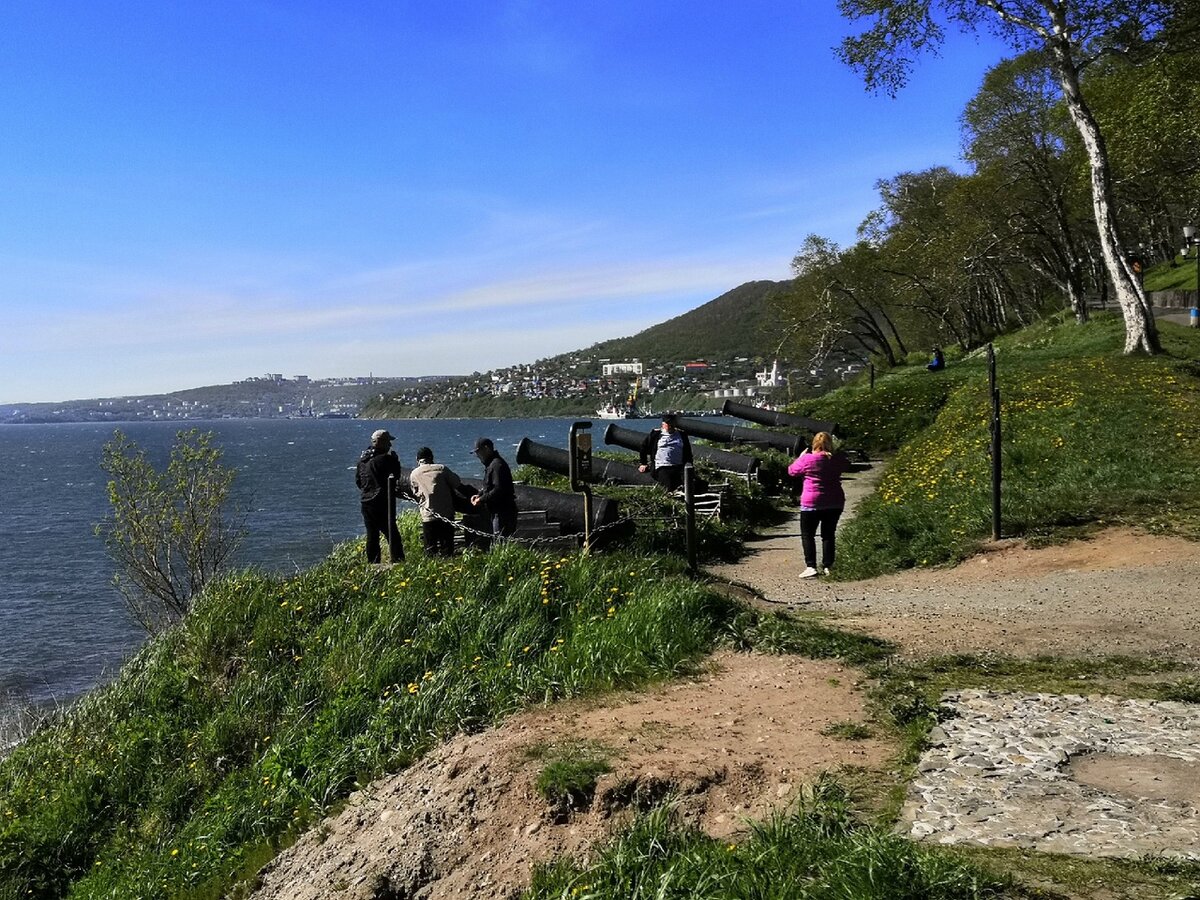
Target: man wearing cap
[665,452]
[377,463]
[498,494]
[434,486]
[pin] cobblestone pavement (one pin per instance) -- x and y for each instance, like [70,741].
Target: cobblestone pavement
[1094,776]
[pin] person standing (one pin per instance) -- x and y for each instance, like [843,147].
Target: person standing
[665,452]
[434,486]
[821,500]
[498,496]
[378,463]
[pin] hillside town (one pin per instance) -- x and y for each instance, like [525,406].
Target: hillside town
[600,382]
[589,384]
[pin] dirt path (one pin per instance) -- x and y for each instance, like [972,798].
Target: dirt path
[467,821]
[1119,592]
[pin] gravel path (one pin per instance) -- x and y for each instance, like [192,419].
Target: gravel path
[1120,592]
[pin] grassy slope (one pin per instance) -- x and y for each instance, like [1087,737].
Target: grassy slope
[1090,438]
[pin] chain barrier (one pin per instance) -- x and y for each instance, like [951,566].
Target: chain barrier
[531,542]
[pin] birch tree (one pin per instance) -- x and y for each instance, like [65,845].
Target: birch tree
[1074,34]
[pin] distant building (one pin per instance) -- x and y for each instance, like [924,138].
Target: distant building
[770,378]
[696,367]
[622,368]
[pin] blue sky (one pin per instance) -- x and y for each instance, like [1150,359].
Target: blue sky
[194,193]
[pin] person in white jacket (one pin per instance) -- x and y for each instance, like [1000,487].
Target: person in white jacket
[434,486]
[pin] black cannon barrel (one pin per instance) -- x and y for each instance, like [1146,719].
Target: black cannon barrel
[604,471]
[725,460]
[777,419]
[567,509]
[738,434]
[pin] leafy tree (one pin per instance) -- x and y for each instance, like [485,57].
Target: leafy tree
[1148,113]
[1073,34]
[1017,136]
[169,531]
[838,303]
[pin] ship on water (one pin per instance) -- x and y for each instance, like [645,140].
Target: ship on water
[627,410]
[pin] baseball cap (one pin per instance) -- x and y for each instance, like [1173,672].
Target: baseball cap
[380,435]
[483,444]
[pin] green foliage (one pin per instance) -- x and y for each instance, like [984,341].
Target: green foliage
[816,851]
[1168,277]
[169,531]
[568,779]
[805,636]
[903,403]
[277,696]
[1089,437]
[847,731]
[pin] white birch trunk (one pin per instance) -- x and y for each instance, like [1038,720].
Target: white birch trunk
[1141,334]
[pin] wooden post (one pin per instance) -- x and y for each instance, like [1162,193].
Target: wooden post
[996,445]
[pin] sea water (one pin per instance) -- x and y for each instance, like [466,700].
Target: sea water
[64,627]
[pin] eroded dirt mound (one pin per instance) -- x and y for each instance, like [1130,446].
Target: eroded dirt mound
[467,820]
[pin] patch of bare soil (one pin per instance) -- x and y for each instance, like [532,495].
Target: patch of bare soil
[467,821]
[1150,777]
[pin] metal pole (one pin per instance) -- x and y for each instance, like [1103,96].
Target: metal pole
[587,519]
[994,395]
[391,514]
[689,505]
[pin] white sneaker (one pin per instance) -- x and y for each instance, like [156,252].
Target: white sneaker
[810,572]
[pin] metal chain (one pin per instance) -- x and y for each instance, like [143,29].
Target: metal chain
[532,542]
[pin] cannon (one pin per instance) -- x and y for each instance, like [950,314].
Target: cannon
[604,471]
[560,507]
[738,434]
[777,419]
[726,460]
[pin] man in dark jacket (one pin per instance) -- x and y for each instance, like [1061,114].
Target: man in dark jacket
[377,463]
[498,495]
[665,452]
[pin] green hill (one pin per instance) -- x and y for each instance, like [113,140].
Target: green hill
[736,324]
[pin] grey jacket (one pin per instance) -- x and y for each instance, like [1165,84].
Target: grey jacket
[434,487]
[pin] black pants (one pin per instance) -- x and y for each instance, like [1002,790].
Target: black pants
[504,522]
[438,537]
[375,518]
[670,477]
[809,520]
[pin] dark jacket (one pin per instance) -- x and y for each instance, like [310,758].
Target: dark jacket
[371,475]
[650,447]
[498,491]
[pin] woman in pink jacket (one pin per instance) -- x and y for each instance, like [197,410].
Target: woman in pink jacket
[821,500]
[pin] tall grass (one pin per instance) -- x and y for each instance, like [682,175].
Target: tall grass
[818,851]
[278,696]
[1090,438]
